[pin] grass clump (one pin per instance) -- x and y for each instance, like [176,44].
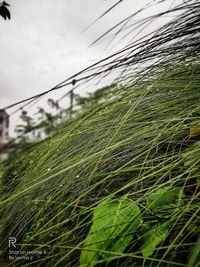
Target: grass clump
[127,148]
[133,148]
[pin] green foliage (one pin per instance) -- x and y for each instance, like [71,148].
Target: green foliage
[135,142]
[195,255]
[27,126]
[99,96]
[154,237]
[136,149]
[10,168]
[114,151]
[191,157]
[31,131]
[115,221]
[164,201]
[113,224]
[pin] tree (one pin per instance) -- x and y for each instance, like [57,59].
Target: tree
[23,129]
[4,12]
[94,98]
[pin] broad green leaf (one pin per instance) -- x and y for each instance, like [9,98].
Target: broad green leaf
[164,201]
[154,237]
[113,224]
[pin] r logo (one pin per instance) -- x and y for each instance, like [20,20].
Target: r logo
[11,242]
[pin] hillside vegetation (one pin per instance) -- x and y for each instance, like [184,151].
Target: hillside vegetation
[119,184]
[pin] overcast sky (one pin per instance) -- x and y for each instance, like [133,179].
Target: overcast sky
[44,42]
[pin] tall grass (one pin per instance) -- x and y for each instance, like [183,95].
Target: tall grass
[132,145]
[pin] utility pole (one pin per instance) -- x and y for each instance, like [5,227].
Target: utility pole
[71,99]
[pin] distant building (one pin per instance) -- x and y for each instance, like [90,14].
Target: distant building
[4,133]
